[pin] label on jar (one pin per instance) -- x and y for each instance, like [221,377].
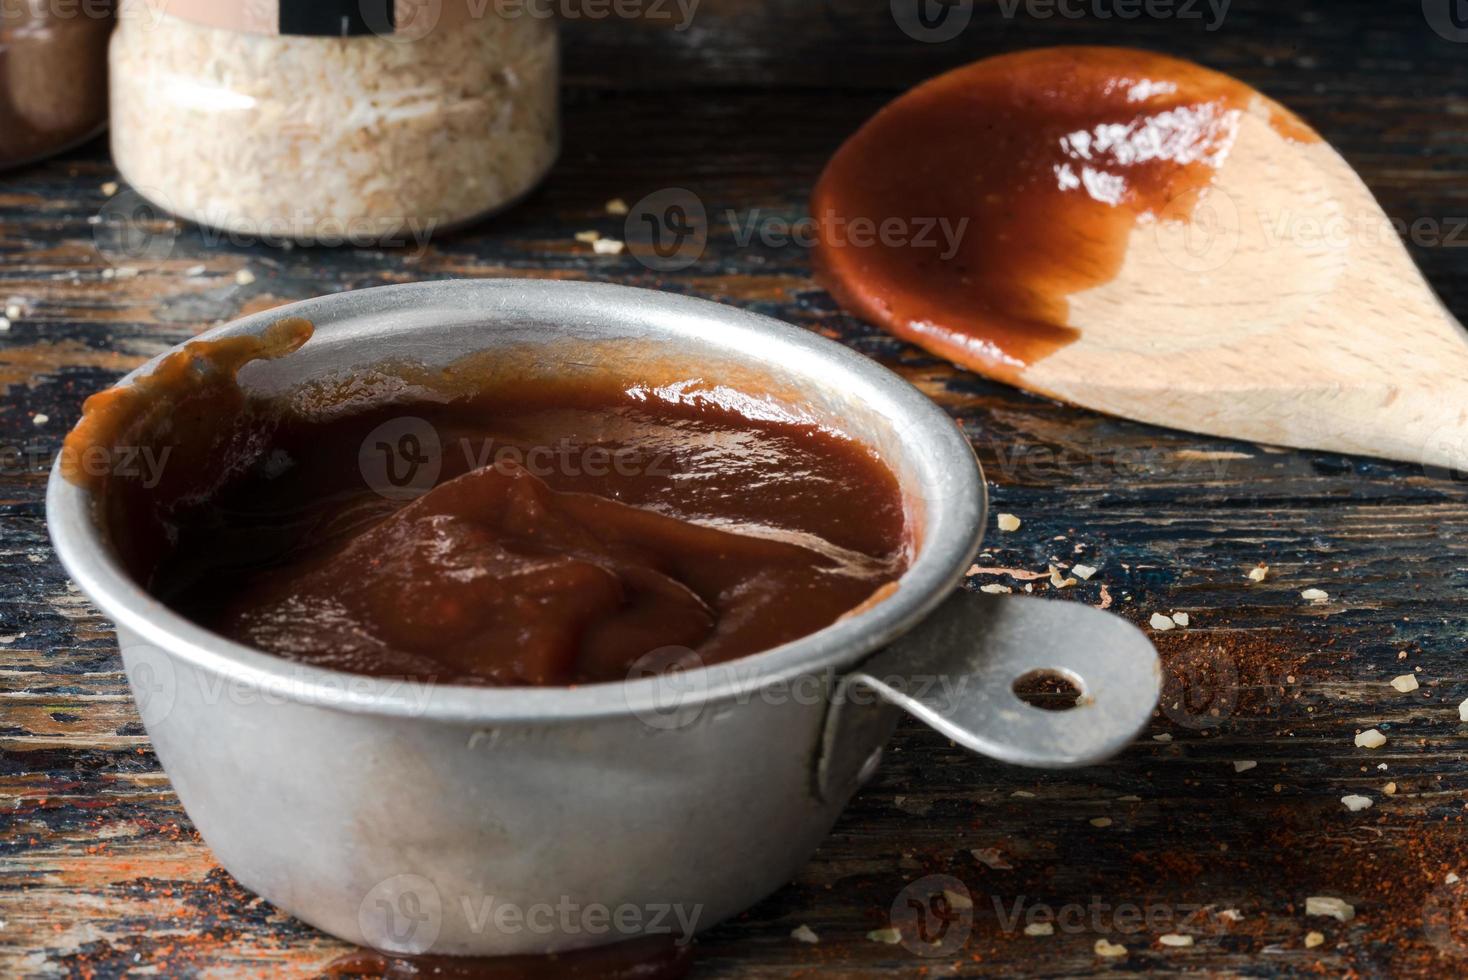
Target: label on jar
[400,19]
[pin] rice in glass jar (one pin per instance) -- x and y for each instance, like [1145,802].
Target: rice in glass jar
[333,121]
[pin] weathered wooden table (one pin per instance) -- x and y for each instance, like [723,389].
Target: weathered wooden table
[1218,824]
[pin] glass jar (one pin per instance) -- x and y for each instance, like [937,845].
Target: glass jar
[250,118]
[53,76]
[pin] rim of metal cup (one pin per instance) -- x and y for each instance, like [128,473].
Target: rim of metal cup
[938,454]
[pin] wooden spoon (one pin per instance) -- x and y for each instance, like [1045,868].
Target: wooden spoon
[1142,236]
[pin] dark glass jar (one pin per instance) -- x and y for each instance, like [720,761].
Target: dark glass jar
[53,75]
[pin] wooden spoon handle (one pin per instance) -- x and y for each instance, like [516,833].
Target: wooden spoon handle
[1426,423]
[1403,396]
[1417,417]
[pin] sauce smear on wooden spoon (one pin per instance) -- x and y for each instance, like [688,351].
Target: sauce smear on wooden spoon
[964,214]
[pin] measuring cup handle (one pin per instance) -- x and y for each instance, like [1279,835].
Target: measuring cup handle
[957,671]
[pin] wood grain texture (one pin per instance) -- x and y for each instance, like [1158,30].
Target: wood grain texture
[102,875]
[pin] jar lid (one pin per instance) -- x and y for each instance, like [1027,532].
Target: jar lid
[323,18]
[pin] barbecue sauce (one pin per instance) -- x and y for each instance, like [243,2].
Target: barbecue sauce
[536,532]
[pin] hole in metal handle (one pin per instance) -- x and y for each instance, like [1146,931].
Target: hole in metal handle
[957,672]
[1050,689]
